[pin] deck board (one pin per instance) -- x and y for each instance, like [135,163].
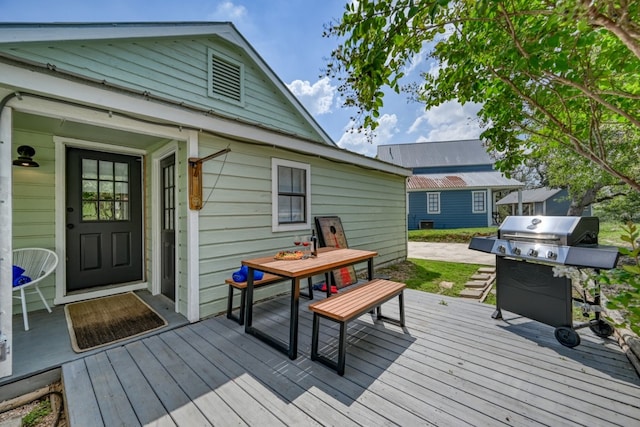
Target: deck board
[78,389]
[112,400]
[140,394]
[451,365]
[182,409]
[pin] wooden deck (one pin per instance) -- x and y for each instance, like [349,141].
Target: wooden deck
[452,365]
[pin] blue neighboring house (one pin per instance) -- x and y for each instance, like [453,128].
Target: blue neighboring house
[454,183]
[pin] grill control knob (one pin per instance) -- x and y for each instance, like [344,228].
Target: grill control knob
[533,253]
[552,255]
[516,251]
[502,249]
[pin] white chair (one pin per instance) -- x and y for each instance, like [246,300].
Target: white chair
[38,263]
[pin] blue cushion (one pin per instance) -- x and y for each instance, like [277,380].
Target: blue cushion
[18,278]
[17,272]
[21,280]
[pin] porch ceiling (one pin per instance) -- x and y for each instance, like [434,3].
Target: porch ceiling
[70,129]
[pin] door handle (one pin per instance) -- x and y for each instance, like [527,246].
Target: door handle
[70,226]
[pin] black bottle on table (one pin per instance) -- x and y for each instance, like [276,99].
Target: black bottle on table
[314,243]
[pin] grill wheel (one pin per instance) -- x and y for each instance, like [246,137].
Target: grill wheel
[601,328]
[567,336]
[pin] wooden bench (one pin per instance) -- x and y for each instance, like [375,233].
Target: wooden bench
[349,305]
[267,279]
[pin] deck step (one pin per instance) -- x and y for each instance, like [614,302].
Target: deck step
[475,284]
[471,293]
[479,284]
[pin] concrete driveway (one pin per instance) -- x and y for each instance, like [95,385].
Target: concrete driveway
[452,252]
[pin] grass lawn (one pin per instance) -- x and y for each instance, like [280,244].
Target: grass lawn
[456,235]
[610,233]
[426,275]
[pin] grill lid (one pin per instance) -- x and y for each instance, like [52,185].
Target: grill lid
[550,239]
[554,230]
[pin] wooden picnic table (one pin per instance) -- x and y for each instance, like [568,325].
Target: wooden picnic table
[327,260]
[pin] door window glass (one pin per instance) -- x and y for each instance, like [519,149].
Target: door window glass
[168,202]
[105,190]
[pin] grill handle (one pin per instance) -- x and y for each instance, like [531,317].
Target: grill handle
[540,238]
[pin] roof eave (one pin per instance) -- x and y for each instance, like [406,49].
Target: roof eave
[11,33]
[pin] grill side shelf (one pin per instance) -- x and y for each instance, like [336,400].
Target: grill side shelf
[599,257]
[482,244]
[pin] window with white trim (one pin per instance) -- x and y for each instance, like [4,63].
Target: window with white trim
[291,195]
[433,203]
[479,201]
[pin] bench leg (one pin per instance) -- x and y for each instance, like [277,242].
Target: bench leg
[230,304]
[400,321]
[243,297]
[314,336]
[401,303]
[342,348]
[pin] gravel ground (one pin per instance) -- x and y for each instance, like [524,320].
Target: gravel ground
[47,421]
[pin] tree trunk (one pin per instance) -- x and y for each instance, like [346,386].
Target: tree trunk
[579,203]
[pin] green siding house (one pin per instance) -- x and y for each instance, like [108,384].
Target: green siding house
[128,121]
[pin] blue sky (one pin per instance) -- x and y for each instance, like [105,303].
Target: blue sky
[288,36]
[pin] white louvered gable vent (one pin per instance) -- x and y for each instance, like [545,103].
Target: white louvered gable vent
[226,78]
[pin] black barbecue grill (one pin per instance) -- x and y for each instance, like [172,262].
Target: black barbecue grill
[526,249]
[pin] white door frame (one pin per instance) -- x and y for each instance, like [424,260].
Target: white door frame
[61,144]
[156,219]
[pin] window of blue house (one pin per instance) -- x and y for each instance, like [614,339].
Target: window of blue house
[479,201]
[291,195]
[433,203]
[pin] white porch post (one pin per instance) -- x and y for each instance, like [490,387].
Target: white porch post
[490,207]
[193,242]
[519,201]
[6,237]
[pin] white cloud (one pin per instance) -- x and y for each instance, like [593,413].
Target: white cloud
[448,121]
[229,11]
[435,67]
[317,98]
[415,61]
[354,141]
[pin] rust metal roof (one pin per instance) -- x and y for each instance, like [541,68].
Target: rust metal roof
[436,181]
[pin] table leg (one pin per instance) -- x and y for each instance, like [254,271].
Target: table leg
[292,348]
[249,301]
[293,320]
[370,278]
